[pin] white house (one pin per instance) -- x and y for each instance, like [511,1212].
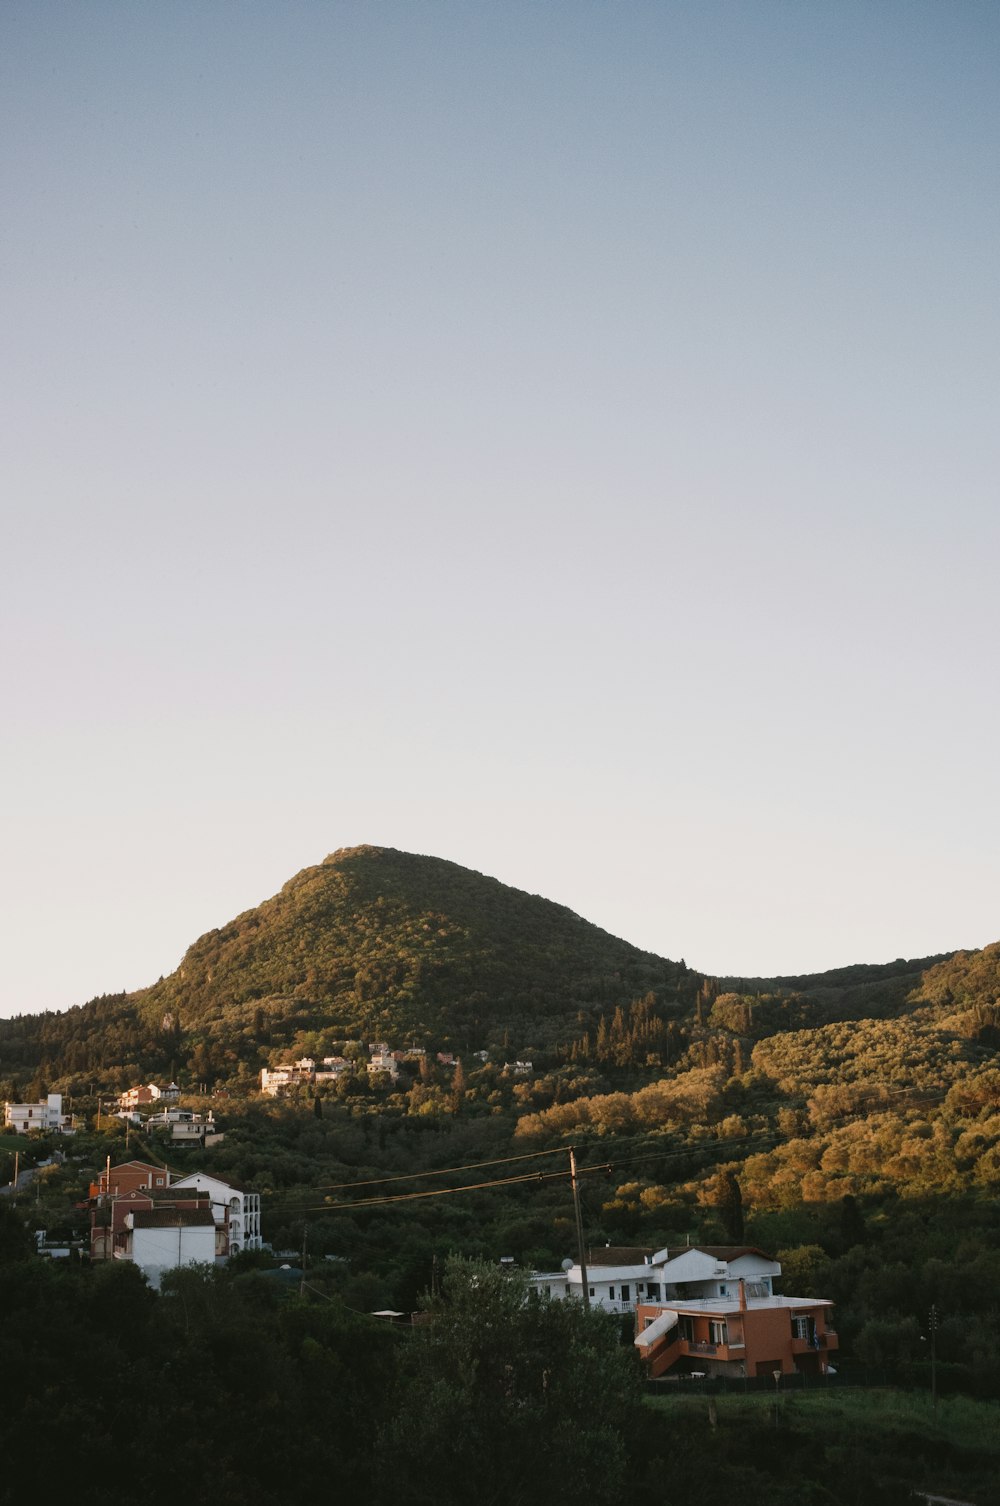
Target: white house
[277,1080]
[46,1117]
[332,1068]
[187,1127]
[619,1279]
[161,1239]
[236,1212]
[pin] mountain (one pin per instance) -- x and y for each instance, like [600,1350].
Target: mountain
[371,942]
[374,943]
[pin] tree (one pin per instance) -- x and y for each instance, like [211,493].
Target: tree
[458,1087]
[15,1241]
[510,1397]
[729,1201]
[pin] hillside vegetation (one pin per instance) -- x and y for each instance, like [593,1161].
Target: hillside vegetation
[849,1121]
[370,943]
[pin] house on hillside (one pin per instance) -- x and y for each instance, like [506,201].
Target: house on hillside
[236,1211]
[619,1278]
[162,1239]
[276,1081]
[45,1117]
[147,1093]
[738,1336]
[704,1309]
[186,1127]
[127,1177]
[110,1213]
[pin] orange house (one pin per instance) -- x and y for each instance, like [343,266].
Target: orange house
[738,1336]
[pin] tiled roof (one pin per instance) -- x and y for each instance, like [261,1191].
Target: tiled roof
[171,1218]
[177,1194]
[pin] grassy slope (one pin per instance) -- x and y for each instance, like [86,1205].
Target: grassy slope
[834,1441]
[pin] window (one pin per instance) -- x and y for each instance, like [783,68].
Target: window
[653,1290]
[717,1332]
[592,1291]
[802,1328]
[723,1289]
[625,1295]
[611,1293]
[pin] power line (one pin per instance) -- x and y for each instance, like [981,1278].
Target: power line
[407,1197]
[444,1171]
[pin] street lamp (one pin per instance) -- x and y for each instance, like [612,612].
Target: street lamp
[777,1393]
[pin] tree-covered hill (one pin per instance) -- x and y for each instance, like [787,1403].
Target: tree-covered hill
[374,943]
[371,943]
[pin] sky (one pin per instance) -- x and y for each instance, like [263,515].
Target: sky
[560,438]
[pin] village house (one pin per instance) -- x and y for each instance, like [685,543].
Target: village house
[45,1117]
[333,1067]
[703,1309]
[277,1081]
[236,1211]
[136,1187]
[619,1278]
[127,1177]
[109,1238]
[144,1095]
[163,1239]
[738,1336]
[186,1127]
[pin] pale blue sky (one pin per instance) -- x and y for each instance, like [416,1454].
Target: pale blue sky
[557,437]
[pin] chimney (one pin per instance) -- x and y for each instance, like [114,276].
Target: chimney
[743,1295]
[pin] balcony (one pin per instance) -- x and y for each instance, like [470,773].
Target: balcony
[827,1340]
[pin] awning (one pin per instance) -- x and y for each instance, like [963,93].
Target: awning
[656,1330]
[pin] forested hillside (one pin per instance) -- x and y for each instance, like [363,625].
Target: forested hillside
[370,943]
[376,943]
[850,1121]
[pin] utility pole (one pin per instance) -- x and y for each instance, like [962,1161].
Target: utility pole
[933,1323]
[17,1164]
[302,1281]
[579,1228]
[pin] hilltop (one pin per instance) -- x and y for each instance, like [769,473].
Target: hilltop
[374,943]
[370,942]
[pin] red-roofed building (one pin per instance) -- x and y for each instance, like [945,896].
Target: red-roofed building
[128,1177]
